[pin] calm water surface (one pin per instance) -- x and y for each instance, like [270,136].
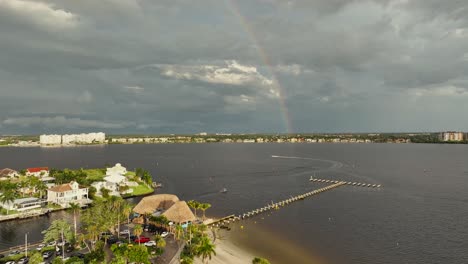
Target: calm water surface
[420,216]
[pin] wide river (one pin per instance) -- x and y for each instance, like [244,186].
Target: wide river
[419,216]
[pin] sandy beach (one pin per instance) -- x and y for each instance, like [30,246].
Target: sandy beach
[227,252]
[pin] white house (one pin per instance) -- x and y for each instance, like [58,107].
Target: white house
[8,173]
[118,169]
[112,187]
[38,172]
[68,193]
[23,204]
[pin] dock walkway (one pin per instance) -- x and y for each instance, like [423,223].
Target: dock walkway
[233,218]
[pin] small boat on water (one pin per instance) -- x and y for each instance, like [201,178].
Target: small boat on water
[224,190]
[156,185]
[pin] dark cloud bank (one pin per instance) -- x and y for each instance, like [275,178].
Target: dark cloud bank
[181,66]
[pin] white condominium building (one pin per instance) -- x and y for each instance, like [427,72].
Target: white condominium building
[50,139]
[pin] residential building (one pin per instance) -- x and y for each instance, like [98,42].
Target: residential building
[451,136]
[23,204]
[112,187]
[89,138]
[7,173]
[50,139]
[68,193]
[38,172]
[118,169]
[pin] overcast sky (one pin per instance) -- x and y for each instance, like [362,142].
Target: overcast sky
[184,66]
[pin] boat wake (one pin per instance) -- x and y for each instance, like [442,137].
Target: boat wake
[334,164]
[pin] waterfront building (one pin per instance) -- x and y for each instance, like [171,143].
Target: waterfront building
[50,139]
[118,169]
[7,173]
[68,193]
[23,204]
[38,172]
[451,136]
[112,187]
[89,138]
[168,205]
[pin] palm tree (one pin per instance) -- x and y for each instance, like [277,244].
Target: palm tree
[160,242]
[204,207]
[74,207]
[195,205]
[116,204]
[8,196]
[258,260]
[137,230]
[127,210]
[206,249]
[178,231]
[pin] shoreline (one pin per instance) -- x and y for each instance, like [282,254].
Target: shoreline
[227,252]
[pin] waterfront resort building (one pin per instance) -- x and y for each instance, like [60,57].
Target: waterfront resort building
[38,172]
[7,173]
[451,136]
[68,193]
[168,205]
[23,204]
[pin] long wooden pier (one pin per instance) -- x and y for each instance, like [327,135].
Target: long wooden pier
[359,184]
[233,218]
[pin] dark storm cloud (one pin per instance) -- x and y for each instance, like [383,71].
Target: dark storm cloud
[187,66]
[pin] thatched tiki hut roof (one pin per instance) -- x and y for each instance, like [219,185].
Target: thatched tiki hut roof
[174,210]
[179,213]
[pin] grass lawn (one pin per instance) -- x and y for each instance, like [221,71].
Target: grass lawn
[141,189]
[3,211]
[95,174]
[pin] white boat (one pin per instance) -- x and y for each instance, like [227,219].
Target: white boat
[224,190]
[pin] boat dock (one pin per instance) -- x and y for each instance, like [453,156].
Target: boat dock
[359,184]
[233,218]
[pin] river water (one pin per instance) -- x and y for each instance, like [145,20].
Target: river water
[419,216]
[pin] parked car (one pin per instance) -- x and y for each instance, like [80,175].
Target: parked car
[40,247]
[151,243]
[112,240]
[10,262]
[14,252]
[141,239]
[23,260]
[78,255]
[164,234]
[51,243]
[125,232]
[47,254]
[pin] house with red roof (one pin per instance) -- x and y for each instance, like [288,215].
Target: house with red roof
[38,172]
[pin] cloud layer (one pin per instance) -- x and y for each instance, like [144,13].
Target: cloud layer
[232,66]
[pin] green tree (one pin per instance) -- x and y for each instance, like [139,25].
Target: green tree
[105,192]
[36,258]
[8,196]
[258,260]
[74,208]
[59,229]
[137,230]
[204,207]
[160,241]
[206,249]
[138,254]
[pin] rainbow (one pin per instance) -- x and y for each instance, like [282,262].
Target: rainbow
[234,9]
